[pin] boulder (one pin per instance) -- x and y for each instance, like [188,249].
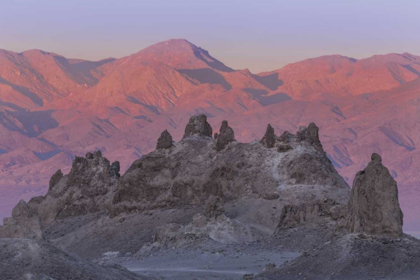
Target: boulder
[225,137]
[164,141]
[269,138]
[373,207]
[198,126]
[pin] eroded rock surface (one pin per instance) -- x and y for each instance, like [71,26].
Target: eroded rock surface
[311,211]
[24,223]
[283,193]
[223,190]
[269,138]
[86,189]
[311,135]
[225,137]
[55,179]
[198,126]
[373,206]
[164,141]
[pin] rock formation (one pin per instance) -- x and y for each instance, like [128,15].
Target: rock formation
[164,141]
[114,169]
[310,134]
[285,137]
[194,171]
[373,207]
[202,192]
[24,223]
[190,174]
[225,137]
[201,188]
[311,211]
[55,179]
[84,190]
[269,138]
[198,126]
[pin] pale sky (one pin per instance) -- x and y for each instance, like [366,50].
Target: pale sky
[256,34]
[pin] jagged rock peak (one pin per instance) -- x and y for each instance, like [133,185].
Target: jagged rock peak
[164,141]
[85,168]
[198,126]
[285,137]
[311,135]
[376,158]
[114,169]
[96,154]
[269,138]
[225,137]
[21,210]
[55,179]
[373,207]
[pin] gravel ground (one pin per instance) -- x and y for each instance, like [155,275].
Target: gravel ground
[209,260]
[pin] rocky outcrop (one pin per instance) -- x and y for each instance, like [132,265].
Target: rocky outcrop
[86,189]
[165,141]
[114,169]
[198,126]
[373,207]
[311,211]
[199,172]
[55,179]
[225,137]
[310,134]
[269,138]
[285,137]
[309,169]
[24,223]
[199,168]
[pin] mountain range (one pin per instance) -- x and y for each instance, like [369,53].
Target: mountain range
[53,108]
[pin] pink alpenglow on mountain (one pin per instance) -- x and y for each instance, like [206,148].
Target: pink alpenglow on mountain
[53,109]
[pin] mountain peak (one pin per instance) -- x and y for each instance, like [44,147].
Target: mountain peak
[172,45]
[181,54]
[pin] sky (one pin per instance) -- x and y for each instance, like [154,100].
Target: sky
[259,35]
